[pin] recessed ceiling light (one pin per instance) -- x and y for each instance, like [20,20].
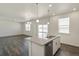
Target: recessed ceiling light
[74,9]
[37,21]
[50,5]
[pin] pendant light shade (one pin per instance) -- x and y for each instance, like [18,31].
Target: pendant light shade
[37,20]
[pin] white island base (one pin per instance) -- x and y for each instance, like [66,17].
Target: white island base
[43,47]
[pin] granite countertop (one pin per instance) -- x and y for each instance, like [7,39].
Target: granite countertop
[41,41]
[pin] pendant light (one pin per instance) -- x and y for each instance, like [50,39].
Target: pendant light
[49,14]
[37,20]
[48,17]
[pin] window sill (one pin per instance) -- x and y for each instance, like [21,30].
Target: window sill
[64,33]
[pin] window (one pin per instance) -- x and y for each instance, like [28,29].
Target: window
[27,26]
[42,31]
[64,25]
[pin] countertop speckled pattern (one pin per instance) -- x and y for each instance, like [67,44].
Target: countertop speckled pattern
[41,41]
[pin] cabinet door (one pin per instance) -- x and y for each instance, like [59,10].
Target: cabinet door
[56,45]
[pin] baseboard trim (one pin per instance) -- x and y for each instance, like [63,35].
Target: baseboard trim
[70,45]
[16,35]
[13,35]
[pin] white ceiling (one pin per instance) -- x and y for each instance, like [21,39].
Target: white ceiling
[26,11]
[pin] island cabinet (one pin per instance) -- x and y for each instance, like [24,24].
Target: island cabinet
[56,45]
[43,47]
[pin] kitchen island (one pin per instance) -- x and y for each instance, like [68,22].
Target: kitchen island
[43,46]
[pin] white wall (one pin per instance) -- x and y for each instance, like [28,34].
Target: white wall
[9,28]
[34,27]
[73,37]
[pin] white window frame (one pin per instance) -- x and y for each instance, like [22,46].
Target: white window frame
[64,25]
[28,26]
[43,30]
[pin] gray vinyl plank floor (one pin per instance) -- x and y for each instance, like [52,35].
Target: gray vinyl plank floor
[13,46]
[67,50]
